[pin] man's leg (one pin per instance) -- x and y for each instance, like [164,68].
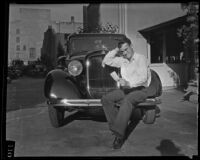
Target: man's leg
[125,111]
[108,102]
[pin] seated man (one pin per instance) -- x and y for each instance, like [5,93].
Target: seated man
[136,86]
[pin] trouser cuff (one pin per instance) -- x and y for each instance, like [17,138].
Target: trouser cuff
[116,133]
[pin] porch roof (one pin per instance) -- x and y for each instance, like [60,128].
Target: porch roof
[163,26]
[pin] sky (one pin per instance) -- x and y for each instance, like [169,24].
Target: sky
[59,12]
[139,15]
[63,12]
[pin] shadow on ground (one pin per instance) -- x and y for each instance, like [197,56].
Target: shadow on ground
[168,148]
[83,116]
[98,117]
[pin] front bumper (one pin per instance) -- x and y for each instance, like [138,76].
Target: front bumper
[81,103]
[76,102]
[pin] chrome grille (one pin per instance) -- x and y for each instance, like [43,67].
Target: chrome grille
[99,79]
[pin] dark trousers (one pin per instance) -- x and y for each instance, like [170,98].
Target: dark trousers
[118,119]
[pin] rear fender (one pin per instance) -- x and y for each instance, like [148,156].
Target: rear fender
[61,85]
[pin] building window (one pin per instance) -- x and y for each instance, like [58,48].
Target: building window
[17,31]
[32,53]
[18,47]
[17,55]
[17,39]
[24,47]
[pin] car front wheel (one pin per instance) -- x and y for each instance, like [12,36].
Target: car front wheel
[149,116]
[56,116]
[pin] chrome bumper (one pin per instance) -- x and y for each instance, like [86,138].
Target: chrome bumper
[78,102]
[96,102]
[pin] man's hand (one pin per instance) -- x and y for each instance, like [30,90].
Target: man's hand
[124,83]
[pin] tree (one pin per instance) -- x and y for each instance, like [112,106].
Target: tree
[48,57]
[60,49]
[189,33]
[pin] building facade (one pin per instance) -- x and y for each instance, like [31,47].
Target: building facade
[66,26]
[14,41]
[26,34]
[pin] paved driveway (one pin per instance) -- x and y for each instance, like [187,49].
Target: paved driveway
[174,133]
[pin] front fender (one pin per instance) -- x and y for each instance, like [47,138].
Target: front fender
[60,84]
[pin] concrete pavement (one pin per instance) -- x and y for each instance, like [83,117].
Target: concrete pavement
[174,133]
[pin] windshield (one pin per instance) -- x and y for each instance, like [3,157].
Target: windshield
[81,44]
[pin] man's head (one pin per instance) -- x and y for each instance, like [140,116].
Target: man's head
[126,49]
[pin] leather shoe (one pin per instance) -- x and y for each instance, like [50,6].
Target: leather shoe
[118,142]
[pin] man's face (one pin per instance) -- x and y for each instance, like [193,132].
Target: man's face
[127,51]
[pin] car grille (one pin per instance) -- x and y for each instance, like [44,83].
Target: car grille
[99,79]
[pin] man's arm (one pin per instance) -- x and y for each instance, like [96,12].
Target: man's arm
[111,59]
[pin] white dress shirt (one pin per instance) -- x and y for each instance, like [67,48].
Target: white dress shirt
[136,71]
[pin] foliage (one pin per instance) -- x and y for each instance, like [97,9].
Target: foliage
[189,32]
[17,63]
[60,50]
[38,61]
[35,69]
[48,49]
[108,28]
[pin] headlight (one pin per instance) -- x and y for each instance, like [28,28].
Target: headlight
[75,68]
[52,95]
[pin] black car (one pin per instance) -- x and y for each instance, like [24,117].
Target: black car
[79,81]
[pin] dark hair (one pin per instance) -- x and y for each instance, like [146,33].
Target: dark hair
[124,40]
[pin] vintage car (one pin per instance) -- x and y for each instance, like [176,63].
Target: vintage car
[79,81]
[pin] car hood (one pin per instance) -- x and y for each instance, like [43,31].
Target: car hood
[84,54]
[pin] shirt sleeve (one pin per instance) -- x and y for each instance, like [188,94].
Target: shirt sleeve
[111,60]
[141,73]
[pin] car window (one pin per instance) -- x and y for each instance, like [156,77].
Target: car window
[79,44]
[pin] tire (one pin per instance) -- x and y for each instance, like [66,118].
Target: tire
[149,116]
[56,116]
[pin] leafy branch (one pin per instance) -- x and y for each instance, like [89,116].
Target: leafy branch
[189,32]
[107,28]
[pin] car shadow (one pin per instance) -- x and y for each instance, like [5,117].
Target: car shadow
[168,148]
[84,116]
[99,116]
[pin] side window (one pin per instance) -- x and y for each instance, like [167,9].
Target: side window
[18,47]
[17,55]
[17,39]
